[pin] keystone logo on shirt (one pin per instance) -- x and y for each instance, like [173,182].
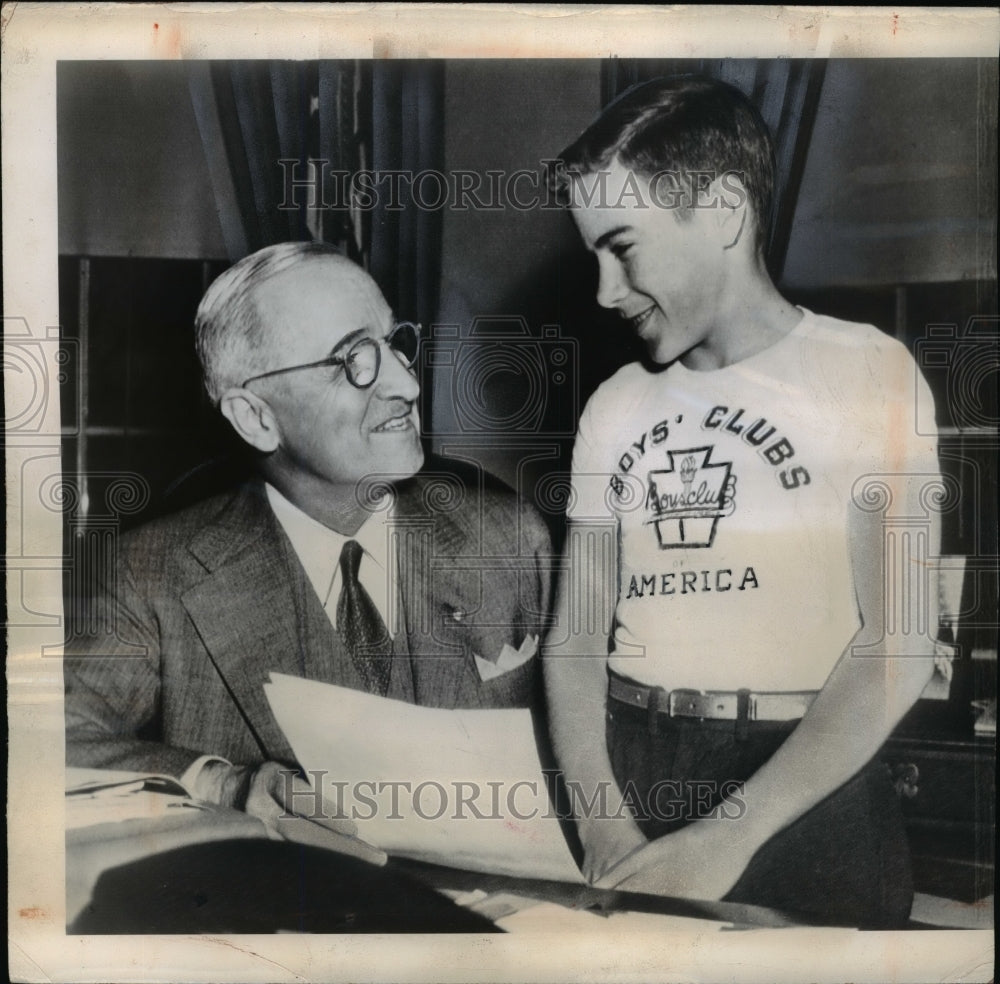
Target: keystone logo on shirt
[685,501]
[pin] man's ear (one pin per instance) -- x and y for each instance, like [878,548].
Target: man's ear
[252,418]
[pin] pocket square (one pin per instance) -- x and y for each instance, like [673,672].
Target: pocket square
[509,659]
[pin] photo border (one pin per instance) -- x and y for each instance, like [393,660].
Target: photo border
[38,35]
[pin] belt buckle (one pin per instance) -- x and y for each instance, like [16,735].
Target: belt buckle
[683,703]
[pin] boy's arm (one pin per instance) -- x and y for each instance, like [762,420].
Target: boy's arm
[576,683]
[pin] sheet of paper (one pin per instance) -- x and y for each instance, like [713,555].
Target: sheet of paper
[462,788]
[97,796]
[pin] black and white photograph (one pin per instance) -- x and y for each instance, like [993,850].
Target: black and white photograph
[500,493]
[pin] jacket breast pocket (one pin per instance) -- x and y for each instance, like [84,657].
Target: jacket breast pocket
[516,687]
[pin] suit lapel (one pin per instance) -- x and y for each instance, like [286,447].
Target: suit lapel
[248,610]
[256,613]
[434,607]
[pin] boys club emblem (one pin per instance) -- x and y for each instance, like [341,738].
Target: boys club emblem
[686,500]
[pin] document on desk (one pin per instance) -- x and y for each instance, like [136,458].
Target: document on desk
[96,796]
[462,788]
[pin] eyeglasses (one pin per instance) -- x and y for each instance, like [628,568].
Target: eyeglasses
[363,360]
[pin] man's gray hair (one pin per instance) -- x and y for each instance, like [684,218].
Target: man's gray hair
[231,339]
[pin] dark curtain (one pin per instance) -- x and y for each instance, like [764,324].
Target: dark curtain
[408,135]
[346,116]
[274,135]
[786,92]
[251,114]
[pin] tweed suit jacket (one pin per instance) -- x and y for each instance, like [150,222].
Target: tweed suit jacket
[208,602]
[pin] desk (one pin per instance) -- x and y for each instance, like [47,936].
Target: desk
[674,913]
[215,871]
[947,781]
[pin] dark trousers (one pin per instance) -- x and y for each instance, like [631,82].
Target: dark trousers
[844,862]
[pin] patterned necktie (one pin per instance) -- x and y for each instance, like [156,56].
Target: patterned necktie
[360,625]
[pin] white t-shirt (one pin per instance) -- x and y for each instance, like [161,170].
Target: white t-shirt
[731,489]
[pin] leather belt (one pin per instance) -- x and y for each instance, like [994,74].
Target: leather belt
[716,705]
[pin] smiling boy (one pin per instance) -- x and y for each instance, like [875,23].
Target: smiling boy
[727,513]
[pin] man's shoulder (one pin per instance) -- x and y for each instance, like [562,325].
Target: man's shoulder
[446,488]
[179,527]
[473,500]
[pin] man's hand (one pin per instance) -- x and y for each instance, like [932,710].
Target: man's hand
[692,863]
[271,798]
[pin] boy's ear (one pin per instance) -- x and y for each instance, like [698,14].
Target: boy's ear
[251,417]
[732,203]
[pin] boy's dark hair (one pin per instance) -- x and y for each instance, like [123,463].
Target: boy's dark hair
[685,125]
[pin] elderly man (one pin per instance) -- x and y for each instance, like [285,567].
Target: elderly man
[298,572]
[739,478]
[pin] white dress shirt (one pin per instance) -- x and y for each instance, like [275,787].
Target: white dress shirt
[318,548]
